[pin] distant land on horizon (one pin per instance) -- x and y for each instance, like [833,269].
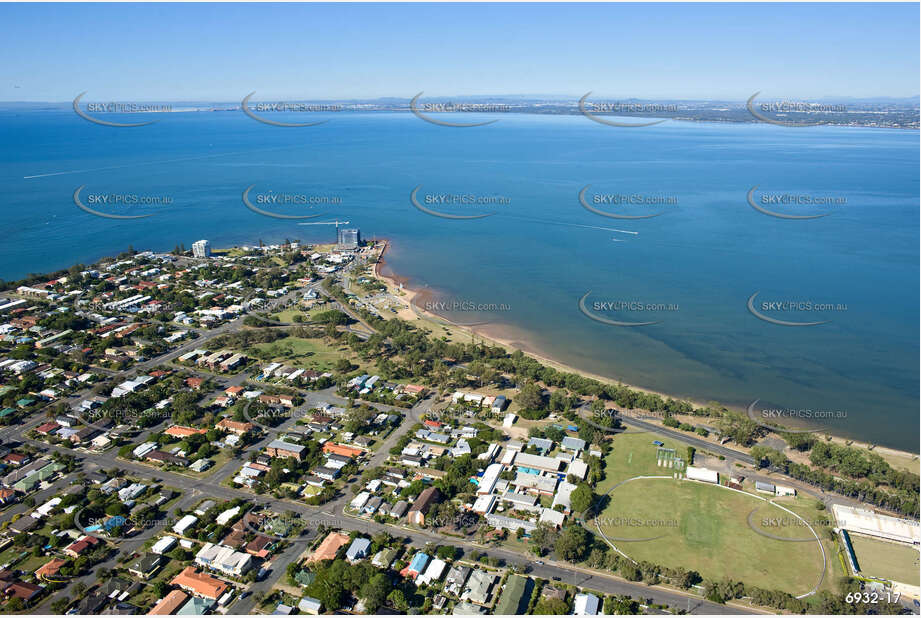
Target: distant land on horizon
[880,112]
[528,98]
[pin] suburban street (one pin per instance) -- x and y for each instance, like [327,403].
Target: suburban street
[212,484]
[332,514]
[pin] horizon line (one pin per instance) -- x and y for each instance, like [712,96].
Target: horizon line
[527,97]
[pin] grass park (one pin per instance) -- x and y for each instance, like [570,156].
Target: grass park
[634,454]
[310,353]
[892,561]
[704,527]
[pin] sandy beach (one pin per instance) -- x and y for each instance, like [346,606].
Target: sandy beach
[511,339]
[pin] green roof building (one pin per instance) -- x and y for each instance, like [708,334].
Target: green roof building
[515,596]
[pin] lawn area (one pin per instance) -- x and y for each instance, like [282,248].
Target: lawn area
[222,457]
[877,558]
[306,353]
[9,556]
[634,454]
[705,528]
[32,563]
[285,316]
[776,522]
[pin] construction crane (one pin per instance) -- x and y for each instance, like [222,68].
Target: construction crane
[336,223]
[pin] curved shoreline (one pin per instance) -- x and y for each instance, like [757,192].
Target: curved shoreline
[399,286]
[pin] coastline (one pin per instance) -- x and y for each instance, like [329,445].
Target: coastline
[399,287]
[235,108]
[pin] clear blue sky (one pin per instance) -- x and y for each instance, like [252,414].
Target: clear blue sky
[221,52]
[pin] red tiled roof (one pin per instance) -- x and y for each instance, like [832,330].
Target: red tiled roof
[78,547]
[235,426]
[180,431]
[328,548]
[50,568]
[23,590]
[200,584]
[341,449]
[168,604]
[47,427]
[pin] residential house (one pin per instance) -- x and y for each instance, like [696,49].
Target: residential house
[586,604]
[200,584]
[169,604]
[280,448]
[79,547]
[329,547]
[358,549]
[145,566]
[422,505]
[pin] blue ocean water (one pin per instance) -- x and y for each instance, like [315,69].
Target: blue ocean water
[542,251]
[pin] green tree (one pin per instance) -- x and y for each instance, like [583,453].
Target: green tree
[581,498]
[573,544]
[398,600]
[375,591]
[621,605]
[531,397]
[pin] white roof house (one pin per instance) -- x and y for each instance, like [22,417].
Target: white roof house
[563,494]
[224,559]
[585,604]
[484,504]
[433,572]
[490,453]
[358,549]
[489,478]
[478,587]
[783,490]
[500,522]
[45,509]
[520,501]
[579,469]
[144,449]
[549,516]
[131,491]
[360,500]
[224,518]
[184,524]
[165,544]
[310,605]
